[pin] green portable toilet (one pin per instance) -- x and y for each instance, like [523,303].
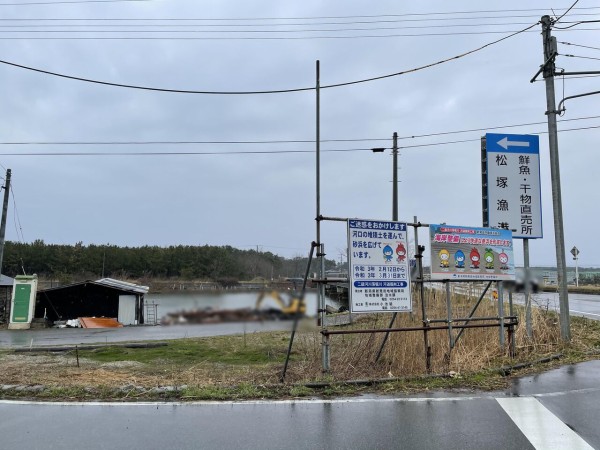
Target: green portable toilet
[22,302]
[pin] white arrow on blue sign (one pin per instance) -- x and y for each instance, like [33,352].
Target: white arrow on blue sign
[513,184]
[518,143]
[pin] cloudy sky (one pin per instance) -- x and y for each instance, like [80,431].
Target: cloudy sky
[220,196]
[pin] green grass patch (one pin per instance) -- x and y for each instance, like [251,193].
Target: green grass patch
[229,350]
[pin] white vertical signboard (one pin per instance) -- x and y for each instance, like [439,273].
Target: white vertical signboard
[379,266]
[513,184]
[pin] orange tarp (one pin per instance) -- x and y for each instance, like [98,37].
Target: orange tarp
[99,322]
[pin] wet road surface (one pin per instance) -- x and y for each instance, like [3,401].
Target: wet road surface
[73,336]
[555,410]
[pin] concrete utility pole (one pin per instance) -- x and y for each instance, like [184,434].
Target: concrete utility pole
[4,214]
[550,52]
[395,178]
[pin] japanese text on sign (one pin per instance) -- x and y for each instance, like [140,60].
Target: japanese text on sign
[379,266]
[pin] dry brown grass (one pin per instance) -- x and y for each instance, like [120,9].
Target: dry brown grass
[257,359]
[353,356]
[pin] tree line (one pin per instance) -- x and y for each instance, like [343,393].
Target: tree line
[215,263]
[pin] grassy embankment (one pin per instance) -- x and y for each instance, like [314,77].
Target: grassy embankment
[593,290]
[248,366]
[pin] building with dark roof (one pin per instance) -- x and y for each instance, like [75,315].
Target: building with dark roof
[102,298]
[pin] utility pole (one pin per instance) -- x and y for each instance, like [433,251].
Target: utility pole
[395,219]
[550,52]
[395,178]
[4,214]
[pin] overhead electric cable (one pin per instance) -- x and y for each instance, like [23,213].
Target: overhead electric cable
[567,11]
[579,45]
[497,11]
[416,69]
[581,57]
[257,152]
[578,23]
[120,24]
[266,38]
[335,30]
[287,141]
[16,217]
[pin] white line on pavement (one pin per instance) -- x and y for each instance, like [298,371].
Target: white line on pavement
[542,428]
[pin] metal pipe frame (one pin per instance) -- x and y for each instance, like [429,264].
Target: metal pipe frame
[469,319]
[396,330]
[297,314]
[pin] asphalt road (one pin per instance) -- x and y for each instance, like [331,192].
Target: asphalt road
[556,410]
[73,336]
[579,304]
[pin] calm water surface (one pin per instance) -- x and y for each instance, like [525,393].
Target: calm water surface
[189,301]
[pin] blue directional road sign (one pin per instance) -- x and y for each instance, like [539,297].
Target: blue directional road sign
[512,143]
[512,174]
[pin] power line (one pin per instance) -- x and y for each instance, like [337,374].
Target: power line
[243,19]
[287,141]
[579,76]
[267,38]
[146,88]
[581,57]
[153,22]
[578,45]
[577,23]
[336,30]
[567,11]
[264,38]
[258,152]
[178,22]
[16,218]
[257,25]
[462,55]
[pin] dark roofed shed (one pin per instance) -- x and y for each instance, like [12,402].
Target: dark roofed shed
[102,298]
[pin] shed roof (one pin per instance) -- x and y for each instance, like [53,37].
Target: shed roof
[107,282]
[124,285]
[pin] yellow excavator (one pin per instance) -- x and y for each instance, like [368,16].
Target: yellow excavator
[287,310]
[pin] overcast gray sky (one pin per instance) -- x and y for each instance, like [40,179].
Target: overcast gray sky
[268,199]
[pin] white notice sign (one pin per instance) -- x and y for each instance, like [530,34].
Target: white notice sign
[379,267]
[513,184]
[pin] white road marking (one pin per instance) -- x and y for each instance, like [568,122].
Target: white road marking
[542,428]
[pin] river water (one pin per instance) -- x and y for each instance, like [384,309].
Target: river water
[192,301]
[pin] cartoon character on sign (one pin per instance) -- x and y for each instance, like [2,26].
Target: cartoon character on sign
[475,258]
[401,252]
[459,259]
[503,258]
[388,253]
[489,258]
[444,258]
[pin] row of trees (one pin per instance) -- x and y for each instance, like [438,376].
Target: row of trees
[182,261]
